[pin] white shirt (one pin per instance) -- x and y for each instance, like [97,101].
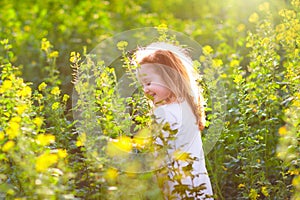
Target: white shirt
[188,138]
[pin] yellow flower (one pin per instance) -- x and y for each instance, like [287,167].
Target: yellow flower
[74,57]
[55,106]
[122,45]
[81,139]
[264,191]
[296,181]
[25,92]
[42,86]
[45,139]
[253,18]
[45,44]
[44,161]
[1,135]
[7,84]
[111,174]
[234,63]
[53,54]
[20,109]
[293,172]
[27,28]
[265,41]
[217,62]
[238,78]
[15,119]
[241,185]
[282,131]
[13,130]
[288,14]
[65,98]
[202,58]
[62,153]
[296,3]
[55,91]
[8,145]
[207,50]
[38,121]
[253,194]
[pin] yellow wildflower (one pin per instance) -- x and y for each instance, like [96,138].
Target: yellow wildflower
[74,57]
[296,3]
[25,92]
[202,58]
[7,84]
[264,191]
[27,28]
[238,78]
[21,108]
[15,119]
[241,185]
[62,153]
[217,62]
[207,50]
[45,139]
[13,130]
[44,161]
[122,45]
[293,172]
[296,181]
[111,174]
[45,44]
[65,98]
[265,41]
[55,106]
[253,18]
[282,131]
[8,145]
[1,135]
[289,14]
[234,63]
[38,121]
[253,194]
[42,86]
[53,54]
[81,139]
[55,91]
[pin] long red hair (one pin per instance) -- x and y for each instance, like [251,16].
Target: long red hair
[167,58]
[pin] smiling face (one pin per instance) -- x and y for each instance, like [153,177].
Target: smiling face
[154,86]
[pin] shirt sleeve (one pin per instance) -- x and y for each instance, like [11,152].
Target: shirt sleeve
[165,116]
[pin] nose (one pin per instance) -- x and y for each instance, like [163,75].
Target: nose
[146,89]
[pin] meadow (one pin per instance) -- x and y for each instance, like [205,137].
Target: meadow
[60,137]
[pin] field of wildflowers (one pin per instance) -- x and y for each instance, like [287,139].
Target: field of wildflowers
[251,49]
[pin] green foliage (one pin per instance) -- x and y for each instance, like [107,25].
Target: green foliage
[251,49]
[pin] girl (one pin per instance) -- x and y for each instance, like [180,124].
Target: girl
[166,74]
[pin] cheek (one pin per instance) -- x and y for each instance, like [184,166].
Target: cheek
[164,91]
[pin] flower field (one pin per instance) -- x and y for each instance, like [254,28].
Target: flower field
[50,151]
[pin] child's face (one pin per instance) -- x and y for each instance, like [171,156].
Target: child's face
[153,85]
